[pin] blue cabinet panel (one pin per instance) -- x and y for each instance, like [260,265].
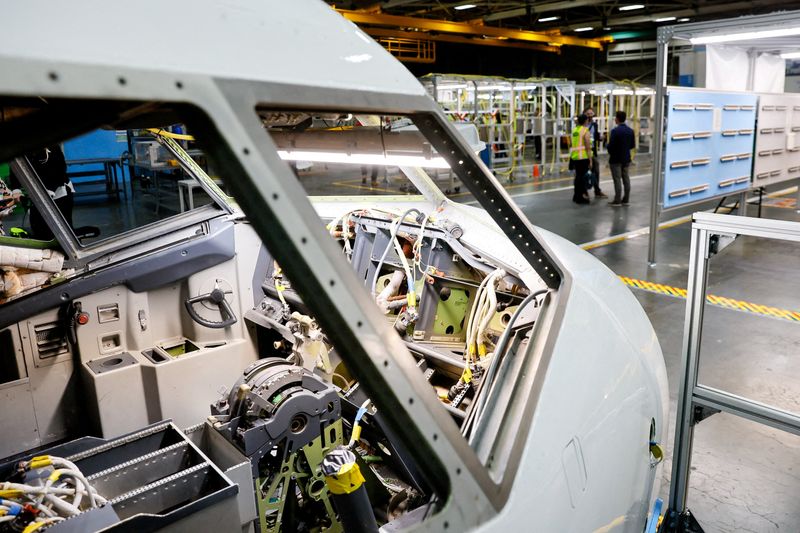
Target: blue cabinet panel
[709,144]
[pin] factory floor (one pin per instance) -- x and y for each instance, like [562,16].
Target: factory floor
[745,477]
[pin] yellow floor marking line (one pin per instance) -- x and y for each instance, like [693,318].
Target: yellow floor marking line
[518,185]
[676,222]
[635,233]
[719,301]
[362,187]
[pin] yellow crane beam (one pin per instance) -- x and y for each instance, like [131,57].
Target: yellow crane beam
[424,36]
[462,28]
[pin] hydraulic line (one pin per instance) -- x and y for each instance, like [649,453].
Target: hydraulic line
[392,237]
[476,409]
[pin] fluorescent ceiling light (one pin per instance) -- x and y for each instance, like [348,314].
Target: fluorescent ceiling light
[364,159]
[684,19]
[791,55]
[587,28]
[491,88]
[632,7]
[665,19]
[549,19]
[464,6]
[746,36]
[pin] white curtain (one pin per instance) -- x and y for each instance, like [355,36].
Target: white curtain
[770,75]
[726,68]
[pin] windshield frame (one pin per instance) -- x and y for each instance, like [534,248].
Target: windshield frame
[246,98]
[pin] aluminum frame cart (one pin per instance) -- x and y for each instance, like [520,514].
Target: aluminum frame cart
[711,233]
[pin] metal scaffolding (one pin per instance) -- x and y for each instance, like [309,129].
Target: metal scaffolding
[608,98]
[524,122]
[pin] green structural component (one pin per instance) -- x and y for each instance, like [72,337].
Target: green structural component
[301,471]
[181,349]
[451,313]
[5,171]
[22,242]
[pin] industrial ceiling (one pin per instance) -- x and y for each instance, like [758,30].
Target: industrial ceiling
[545,25]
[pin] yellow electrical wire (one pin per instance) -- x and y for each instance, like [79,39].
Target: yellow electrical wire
[35,526]
[165,133]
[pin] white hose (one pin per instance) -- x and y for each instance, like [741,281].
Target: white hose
[483,309]
[390,290]
[62,506]
[404,261]
[479,309]
[72,470]
[491,305]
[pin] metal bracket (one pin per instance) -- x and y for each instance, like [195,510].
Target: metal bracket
[701,413]
[665,34]
[718,242]
[684,522]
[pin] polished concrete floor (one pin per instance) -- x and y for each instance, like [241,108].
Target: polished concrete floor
[744,477]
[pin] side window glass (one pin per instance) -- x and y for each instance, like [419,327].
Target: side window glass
[106,183]
[103,185]
[121,180]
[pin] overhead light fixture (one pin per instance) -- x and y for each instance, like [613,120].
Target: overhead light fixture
[587,28]
[491,88]
[364,159]
[684,19]
[665,19]
[464,6]
[606,28]
[549,19]
[631,7]
[746,36]
[791,55]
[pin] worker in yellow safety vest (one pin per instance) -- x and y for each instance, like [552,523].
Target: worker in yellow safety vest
[580,155]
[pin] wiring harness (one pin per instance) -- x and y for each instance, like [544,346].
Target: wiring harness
[50,489]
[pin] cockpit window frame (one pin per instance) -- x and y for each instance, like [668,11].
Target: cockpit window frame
[79,254]
[490,194]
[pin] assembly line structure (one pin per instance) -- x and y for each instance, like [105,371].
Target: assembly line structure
[518,119]
[711,233]
[755,34]
[608,98]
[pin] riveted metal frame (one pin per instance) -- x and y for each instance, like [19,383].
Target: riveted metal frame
[692,394]
[662,54]
[283,217]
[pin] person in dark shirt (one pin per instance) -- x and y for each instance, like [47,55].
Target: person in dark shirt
[622,140]
[51,167]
